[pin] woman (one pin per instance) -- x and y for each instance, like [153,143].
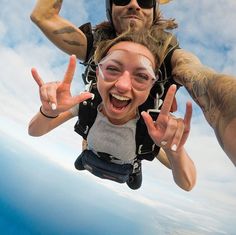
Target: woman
[127,69]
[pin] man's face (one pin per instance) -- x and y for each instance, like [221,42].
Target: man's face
[131,15]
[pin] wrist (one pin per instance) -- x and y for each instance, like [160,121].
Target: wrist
[46,114]
[175,155]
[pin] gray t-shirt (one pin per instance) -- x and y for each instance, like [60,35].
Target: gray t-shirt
[116,140]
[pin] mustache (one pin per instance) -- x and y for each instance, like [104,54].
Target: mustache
[133,13]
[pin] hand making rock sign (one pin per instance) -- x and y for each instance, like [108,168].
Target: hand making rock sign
[167,131]
[56,96]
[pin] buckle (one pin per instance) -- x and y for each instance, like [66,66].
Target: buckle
[140,152]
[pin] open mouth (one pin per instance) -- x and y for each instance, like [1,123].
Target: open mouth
[119,102]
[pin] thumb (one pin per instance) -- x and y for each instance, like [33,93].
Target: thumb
[82,97]
[148,121]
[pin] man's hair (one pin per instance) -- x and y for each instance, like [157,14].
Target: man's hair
[156,40]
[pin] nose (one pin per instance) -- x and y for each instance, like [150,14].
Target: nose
[123,84]
[133,4]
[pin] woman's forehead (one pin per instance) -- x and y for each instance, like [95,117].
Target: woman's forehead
[131,52]
[127,58]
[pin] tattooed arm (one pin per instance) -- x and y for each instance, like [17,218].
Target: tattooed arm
[214,93]
[61,32]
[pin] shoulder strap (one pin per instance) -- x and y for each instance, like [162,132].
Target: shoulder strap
[87,114]
[87,30]
[145,147]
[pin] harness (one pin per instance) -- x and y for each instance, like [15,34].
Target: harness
[145,147]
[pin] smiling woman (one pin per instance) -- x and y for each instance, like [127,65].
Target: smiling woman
[127,69]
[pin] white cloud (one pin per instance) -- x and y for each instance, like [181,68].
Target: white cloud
[207,29]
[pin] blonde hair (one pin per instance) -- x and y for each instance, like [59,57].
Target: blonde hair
[156,40]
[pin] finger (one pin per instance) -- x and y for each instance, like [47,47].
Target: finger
[52,97]
[44,93]
[82,97]
[174,106]
[148,121]
[188,115]
[170,131]
[70,70]
[166,107]
[36,77]
[178,135]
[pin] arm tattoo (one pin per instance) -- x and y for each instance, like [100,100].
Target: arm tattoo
[73,43]
[68,29]
[214,93]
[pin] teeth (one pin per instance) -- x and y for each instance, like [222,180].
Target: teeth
[118,97]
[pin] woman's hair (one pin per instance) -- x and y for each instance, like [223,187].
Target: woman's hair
[156,40]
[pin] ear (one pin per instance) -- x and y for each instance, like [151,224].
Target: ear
[174,106]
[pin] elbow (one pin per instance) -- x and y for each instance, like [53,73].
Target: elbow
[186,181]
[32,131]
[188,185]
[35,17]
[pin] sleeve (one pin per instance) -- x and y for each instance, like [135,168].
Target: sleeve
[167,67]
[87,30]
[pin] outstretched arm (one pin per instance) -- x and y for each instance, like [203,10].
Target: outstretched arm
[214,93]
[60,31]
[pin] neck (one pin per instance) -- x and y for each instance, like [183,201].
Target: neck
[115,121]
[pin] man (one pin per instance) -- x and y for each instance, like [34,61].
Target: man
[214,93]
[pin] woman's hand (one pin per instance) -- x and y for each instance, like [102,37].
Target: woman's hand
[56,96]
[167,131]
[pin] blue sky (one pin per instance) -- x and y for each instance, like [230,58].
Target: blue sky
[45,167]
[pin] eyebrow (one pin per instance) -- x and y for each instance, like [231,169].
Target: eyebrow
[122,64]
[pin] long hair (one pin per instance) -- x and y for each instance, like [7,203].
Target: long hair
[105,30]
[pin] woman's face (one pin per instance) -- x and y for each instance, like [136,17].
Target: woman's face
[125,78]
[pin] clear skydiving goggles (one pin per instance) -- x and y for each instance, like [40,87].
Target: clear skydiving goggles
[136,66]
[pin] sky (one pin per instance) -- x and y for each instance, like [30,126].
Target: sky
[39,183]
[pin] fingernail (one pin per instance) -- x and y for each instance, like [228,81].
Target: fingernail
[163,143]
[54,107]
[174,147]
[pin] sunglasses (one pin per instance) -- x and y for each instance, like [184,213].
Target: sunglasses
[146,4]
